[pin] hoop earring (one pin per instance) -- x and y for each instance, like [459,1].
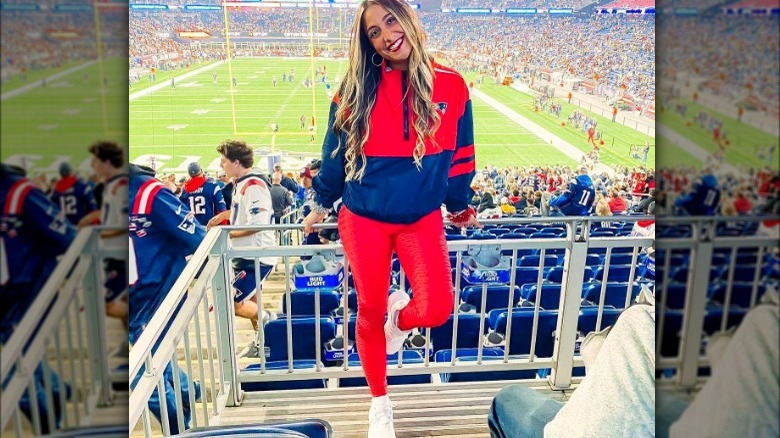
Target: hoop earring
[376,64]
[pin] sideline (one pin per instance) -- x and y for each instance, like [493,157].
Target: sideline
[164,84]
[688,146]
[36,84]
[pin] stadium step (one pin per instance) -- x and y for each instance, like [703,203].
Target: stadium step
[441,410]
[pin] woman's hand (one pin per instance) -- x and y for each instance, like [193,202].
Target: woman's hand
[312,218]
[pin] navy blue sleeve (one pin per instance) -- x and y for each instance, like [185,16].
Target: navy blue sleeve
[170,214]
[45,217]
[463,166]
[329,182]
[219,200]
[89,198]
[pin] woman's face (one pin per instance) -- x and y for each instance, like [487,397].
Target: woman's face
[387,37]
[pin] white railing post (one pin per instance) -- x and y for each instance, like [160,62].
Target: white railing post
[225,321]
[569,307]
[95,309]
[695,303]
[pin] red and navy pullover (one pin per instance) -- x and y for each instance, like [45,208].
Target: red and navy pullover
[393,189]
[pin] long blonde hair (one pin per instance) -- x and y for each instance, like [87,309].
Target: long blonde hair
[357,92]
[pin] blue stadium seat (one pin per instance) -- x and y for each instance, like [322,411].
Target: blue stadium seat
[550,260]
[468,332]
[513,235]
[675,295]
[589,315]
[543,235]
[303,333]
[616,273]
[410,357]
[620,259]
[550,295]
[96,431]
[740,293]
[681,274]
[744,273]
[671,334]
[488,354]
[520,252]
[302,303]
[555,274]
[305,364]
[456,237]
[714,315]
[526,274]
[297,428]
[497,296]
[498,232]
[522,323]
[593,260]
[615,293]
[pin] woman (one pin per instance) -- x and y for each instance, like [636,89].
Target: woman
[399,144]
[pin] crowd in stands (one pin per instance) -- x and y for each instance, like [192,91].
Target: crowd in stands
[631,4]
[737,57]
[528,190]
[503,4]
[619,51]
[744,192]
[29,42]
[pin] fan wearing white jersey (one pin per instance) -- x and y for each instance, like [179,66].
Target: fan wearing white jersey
[251,205]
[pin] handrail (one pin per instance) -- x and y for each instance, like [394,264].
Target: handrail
[74,276]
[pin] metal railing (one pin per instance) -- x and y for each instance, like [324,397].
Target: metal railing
[204,283]
[712,248]
[63,332]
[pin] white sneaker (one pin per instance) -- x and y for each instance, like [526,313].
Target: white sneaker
[380,418]
[251,350]
[395,337]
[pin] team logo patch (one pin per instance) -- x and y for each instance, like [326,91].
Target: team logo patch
[188,224]
[442,106]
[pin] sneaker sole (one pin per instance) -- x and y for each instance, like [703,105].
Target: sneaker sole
[395,299]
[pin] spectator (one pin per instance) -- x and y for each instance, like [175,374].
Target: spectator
[281,198]
[251,206]
[617,204]
[286,181]
[202,195]
[74,196]
[616,398]
[387,204]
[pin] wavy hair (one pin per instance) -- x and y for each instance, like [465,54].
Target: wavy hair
[357,92]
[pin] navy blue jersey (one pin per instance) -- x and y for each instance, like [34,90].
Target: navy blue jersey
[163,232]
[578,197]
[33,233]
[704,198]
[393,188]
[74,197]
[204,197]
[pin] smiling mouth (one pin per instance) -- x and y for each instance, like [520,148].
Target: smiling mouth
[396,45]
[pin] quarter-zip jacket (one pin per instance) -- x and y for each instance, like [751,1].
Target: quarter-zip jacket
[393,189]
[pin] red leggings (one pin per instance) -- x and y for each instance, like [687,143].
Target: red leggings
[422,252]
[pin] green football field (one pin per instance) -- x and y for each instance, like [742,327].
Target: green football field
[47,124]
[745,140]
[182,124]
